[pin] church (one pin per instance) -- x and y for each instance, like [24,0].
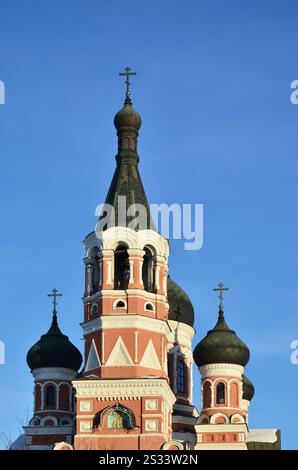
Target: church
[133,387]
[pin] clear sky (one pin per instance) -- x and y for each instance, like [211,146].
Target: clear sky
[213,89]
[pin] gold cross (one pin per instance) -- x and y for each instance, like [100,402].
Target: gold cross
[55,295]
[127,74]
[220,288]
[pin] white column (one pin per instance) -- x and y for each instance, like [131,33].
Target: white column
[136,359]
[157,271]
[212,394]
[100,274]
[131,277]
[89,278]
[102,348]
[109,272]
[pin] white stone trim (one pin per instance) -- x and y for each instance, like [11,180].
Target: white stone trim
[124,389]
[85,426]
[147,309]
[151,405]
[113,359]
[237,416]
[151,425]
[119,300]
[131,292]
[53,373]
[130,321]
[150,358]
[92,350]
[222,428]
[135,239]
[167,445]
[90,242]
[45,418]
[86,405]
[109,271]
[47,430]
[182,332]
[214,417]
[221,370]
[136,337]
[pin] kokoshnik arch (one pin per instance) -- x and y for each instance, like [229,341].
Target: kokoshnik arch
[135,389]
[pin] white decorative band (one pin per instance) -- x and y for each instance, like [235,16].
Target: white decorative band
[124,389]
[54,373]
[221,370]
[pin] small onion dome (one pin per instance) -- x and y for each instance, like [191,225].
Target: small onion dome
[221,345]
[54,350]
[248,388]
[127,116]
[180,306]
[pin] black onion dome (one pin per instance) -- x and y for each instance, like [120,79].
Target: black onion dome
[127,116]
[248,389]
[221,345]
[180,306]
[54,350]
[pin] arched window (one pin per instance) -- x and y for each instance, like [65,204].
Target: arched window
[50,400]
[121,268]
[207,394]
[149,306]
[37,397]
[220,393]
[94,309]
[64,397]
[120,304]
[147,270]
[96,273]
[181,379]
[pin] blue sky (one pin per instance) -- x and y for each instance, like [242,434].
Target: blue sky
[213,89]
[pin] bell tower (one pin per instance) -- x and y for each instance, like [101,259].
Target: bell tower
[124,397]
[225,392]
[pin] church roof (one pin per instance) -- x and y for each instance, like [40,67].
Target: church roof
[180,306]
[54,350]
[127,181]
[221,345]
[248,388]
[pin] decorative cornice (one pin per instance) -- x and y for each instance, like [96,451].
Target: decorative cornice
[112,293]
[124,389]
[126,321]
[53,373]
[48,430]
[218,370]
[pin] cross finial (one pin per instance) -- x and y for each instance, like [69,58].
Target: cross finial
[127,73]
[220,288]
[178,313]
[54,295]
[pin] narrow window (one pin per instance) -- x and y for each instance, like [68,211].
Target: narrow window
[147,271]
[181,376]
[220,393]
[50,397]
[121,268]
